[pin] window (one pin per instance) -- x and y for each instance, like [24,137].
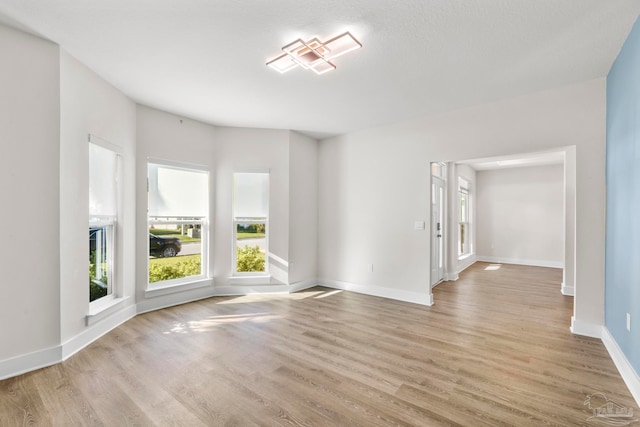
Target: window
[250,222]
[104,172]
[178,211]
[464,230]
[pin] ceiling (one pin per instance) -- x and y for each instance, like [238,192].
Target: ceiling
[205,59]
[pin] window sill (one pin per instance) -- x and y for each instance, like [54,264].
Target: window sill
[172,288]
[97,312]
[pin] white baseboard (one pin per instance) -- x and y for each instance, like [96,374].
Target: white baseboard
[532,262]
[466,262]
[92,333]
[273,288]
[462,266]
[378,291]
[170,300]
[567,290]
[300,286]
[579,327]
[439,283]
[237,290]
[30,362]
[51,356]
[628,374]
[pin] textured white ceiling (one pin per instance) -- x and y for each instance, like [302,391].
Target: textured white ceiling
[205,59]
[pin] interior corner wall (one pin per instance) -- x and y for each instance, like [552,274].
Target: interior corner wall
[90,105]
[622,294]
[163,136]
[29,184]
[375,183]
[521,215]
[303,206]
[243,150]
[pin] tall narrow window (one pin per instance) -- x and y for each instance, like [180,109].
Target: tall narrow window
[251,222]
[464,231]
[178,223]
[104,170]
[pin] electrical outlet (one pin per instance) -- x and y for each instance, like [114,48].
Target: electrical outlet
[628,322]
[370,268]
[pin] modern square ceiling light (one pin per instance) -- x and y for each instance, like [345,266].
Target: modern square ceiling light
[314,54]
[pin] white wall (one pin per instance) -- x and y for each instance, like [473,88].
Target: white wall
[29,186]
[241,149]
[374,185]
[303,205]
[164,136]
[89,105]
[521,215]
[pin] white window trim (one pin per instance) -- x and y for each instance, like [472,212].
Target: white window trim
[110,226]
[102,304]
[464,187]
[183,283]
[259,276]
[204,257]
[177,165]
[105,308]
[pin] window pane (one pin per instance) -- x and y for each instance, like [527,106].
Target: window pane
[251,247]
[103,210]
[251,195]
[175,251]
[463,207]
[462,239]
[99,247]
[176,192]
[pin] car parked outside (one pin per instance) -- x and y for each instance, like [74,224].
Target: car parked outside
[164,246]
[159,247]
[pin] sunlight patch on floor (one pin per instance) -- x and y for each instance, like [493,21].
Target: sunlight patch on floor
[277,296]
[328,293]
[213,321]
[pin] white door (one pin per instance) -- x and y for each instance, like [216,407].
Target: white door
[437,228]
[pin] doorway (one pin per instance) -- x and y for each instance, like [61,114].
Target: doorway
[438,172]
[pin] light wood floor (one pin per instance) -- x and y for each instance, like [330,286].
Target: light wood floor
[494,350]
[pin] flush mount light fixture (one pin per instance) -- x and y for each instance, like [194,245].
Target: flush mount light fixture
[314,54]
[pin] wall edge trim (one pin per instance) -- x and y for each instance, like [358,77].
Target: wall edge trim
[628,374]
[379,291]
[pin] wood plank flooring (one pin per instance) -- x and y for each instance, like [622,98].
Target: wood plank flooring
[495,350]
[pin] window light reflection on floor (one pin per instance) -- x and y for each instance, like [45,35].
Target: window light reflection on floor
[492,267]
[213,321]
[253,297]
[328,294]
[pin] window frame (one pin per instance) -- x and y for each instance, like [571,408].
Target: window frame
[203,221]
[110,224]
[240,220]
[464,190]
[237,220]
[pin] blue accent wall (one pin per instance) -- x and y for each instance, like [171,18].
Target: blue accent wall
[622,286]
